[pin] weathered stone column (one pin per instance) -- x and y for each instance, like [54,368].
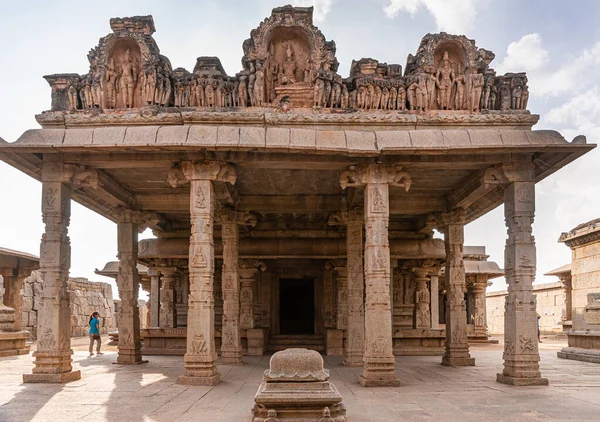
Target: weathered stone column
[231,343]
[479,287]
[200,357]
[355,329]
[167,294]
[521,356]
[128,283]
[329,315]
[154,297]
[378,369]
[53,356]
[457,346]
[421,315]
[342,295]
[434,281]
[248,270]
[565,279]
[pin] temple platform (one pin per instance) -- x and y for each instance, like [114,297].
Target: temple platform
[429,390]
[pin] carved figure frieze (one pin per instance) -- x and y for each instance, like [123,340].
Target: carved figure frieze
[287,61]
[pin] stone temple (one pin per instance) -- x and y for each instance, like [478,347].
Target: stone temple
[292,206]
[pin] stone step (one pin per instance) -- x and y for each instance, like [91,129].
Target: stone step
[278,347]
[286,341]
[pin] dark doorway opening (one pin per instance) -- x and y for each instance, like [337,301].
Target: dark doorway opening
[297,306]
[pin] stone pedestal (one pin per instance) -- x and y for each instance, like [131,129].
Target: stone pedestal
[457,346]
[297,388]
[231,345]
[53,355]
[521,356]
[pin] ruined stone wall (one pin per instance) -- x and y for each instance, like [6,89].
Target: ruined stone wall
[585,272]
[85,297]
[550,306]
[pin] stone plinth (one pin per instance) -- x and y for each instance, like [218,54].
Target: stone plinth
[583,346]
[296,388]
[11,342]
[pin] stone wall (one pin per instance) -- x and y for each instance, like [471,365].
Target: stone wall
[85,297]
[585,272]
[550,306]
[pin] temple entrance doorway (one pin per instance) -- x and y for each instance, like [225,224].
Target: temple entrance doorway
[296,306]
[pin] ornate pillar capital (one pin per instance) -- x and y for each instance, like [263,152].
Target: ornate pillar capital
[182,173]
[362,174]
[506,173]
[343,218]
[75,175]
[143,219]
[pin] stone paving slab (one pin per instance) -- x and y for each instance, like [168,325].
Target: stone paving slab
[429,391]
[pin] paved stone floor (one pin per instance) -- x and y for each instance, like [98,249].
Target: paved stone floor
[430,391]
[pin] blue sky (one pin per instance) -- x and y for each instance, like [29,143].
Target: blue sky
[556,42]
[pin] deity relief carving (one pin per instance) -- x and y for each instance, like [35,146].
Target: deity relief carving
[198,345]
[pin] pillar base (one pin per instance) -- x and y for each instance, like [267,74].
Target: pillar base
[188,380]
[138,362]
[457,361]
[506,379]
[353,361]
[379,382]
[231,360]
[52,378]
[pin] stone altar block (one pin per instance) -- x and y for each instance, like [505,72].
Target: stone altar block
[296,388]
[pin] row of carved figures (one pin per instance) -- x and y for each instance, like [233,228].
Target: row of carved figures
[417,92]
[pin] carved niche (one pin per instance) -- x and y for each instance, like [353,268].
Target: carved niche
[285,56]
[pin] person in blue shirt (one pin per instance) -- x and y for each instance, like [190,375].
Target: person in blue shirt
[95,333]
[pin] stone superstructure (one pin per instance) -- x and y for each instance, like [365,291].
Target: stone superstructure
[281,184]
[582,290]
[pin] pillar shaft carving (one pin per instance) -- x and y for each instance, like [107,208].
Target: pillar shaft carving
[457,346]
[168,316]
[341,280]
[154,298]
[128,283]
[521,356]
[568,302]
[355,285]
[248,272]
[479,287]
[53,356]
[329,300]
[435,299]
[378,369]
[422,315]
[231,344]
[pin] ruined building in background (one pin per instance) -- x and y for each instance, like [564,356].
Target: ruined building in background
[292,205]
[582,292]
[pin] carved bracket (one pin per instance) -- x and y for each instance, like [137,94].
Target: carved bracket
[181,173]
[80,176]
[362,174]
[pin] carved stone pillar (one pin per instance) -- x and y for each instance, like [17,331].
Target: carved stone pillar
[479,287]
[435,299]
[378,369]
[457,346]
[342,296]
[154,297]
[521,356]
[200,357]
[53,356]
[167,296]
[248,272]
[128,283]
[231,343]
[181,295]
[565,279]
[421,315]
[329,315]
[355,329]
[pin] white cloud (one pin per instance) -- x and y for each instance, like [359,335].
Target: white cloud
[453,16]
[524,55]
[571,76]
[322,7]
